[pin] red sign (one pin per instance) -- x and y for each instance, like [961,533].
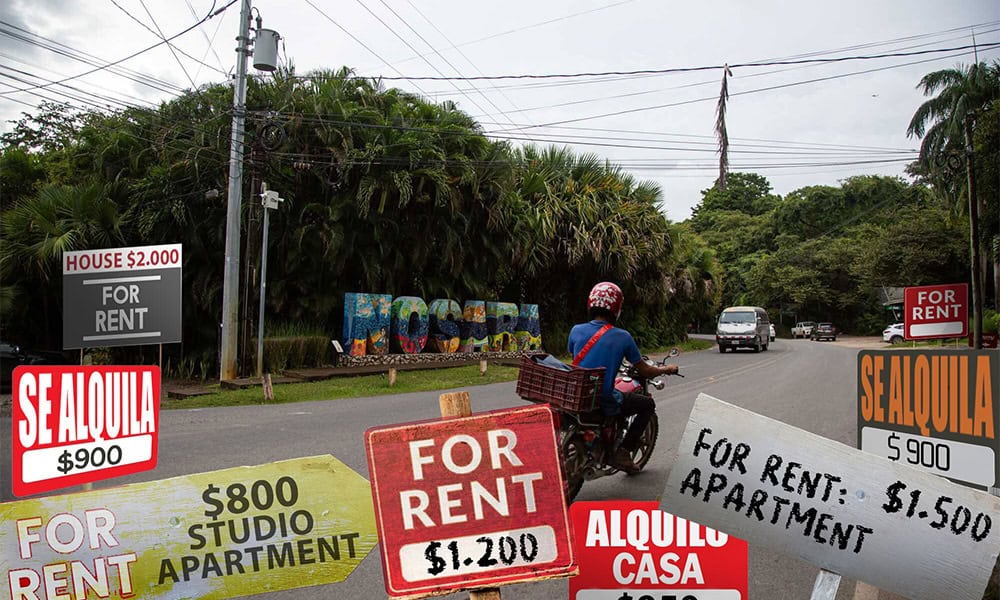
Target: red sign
[989,340]
[469,502]
[936,311]
[76,425]
[634,551]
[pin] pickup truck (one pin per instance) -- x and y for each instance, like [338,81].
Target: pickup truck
[803,329]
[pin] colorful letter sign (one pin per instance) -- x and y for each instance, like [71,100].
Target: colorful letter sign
[222,534]
[936,311]
[934,409]
[75,425]
[469,502]
[634,550]
[844,510]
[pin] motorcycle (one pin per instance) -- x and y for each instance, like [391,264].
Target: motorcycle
[588,440]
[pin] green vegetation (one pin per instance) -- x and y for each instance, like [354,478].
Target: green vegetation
[386,193]
[353,387]
[390,193]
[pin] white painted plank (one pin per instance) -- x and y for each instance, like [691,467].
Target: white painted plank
[845,523]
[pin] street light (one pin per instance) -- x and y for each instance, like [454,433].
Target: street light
[269,200]
[268,41]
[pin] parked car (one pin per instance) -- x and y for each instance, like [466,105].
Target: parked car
[803,329]
[772,332]
[743,326]
[893,334]
[824,331]
[12,356]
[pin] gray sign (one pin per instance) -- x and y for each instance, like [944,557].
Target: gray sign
[899,528]
[122,296]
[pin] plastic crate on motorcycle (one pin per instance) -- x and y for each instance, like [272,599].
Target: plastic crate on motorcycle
[565,387]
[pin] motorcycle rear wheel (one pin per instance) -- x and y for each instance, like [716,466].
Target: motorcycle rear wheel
[647,442]
[574,454]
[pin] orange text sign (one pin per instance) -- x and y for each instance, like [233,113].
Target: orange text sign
[933,409]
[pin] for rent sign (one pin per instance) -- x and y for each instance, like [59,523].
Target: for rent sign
[223,534]
[936,311]
[634,551]
[122,296]
[75,425]
[934,409]
[850,512]
[469,502]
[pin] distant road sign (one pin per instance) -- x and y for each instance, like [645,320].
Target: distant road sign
[75,425]
[936,311]
[122,296]
[469,502]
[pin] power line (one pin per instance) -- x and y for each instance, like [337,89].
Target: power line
[519,29]
[133,55]
[448,62]
[160,35]
[698,68]
[408,45]
[743,93]
[89,59]
[468,60]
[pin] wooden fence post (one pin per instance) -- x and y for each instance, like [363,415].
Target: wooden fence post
[457,404]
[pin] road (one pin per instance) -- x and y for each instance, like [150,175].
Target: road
[811,385]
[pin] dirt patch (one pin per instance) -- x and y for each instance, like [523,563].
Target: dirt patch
[873,342]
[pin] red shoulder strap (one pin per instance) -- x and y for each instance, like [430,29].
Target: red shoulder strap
[590,343]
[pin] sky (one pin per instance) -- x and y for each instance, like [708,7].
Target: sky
[796,124]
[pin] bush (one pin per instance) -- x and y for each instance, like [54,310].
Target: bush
[290,352]
[991,321]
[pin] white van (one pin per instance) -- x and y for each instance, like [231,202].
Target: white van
[743,326]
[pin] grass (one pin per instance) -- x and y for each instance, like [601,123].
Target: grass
[352,387]
[373,385]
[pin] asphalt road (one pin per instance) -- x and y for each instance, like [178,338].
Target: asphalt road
[811,385]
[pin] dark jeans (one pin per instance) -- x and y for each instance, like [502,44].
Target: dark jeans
[642,407]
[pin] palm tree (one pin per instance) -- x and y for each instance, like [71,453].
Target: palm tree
[33,237]
[946,123]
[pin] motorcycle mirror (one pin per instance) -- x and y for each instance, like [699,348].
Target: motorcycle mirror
[673,352]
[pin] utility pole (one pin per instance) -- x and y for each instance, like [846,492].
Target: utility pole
[231,277]
[977,282]
[266,46]
[269,200]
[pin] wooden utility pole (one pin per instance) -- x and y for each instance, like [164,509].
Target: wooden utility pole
[977,282]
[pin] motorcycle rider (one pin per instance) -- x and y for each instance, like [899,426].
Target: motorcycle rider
[598,343]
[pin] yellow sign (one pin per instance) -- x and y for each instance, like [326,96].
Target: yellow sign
[236,532]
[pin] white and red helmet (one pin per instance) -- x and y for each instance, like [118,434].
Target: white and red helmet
[608,296]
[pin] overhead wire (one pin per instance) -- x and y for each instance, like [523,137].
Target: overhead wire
[410,46]
[695,69]
[467,59]
[89,59]
[209,42]
[134,54]
[524,28]
[160,34]
[448,62]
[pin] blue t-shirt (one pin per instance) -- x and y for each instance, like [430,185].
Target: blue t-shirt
[608,352]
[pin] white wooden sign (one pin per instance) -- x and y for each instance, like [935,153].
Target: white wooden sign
[844,510]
